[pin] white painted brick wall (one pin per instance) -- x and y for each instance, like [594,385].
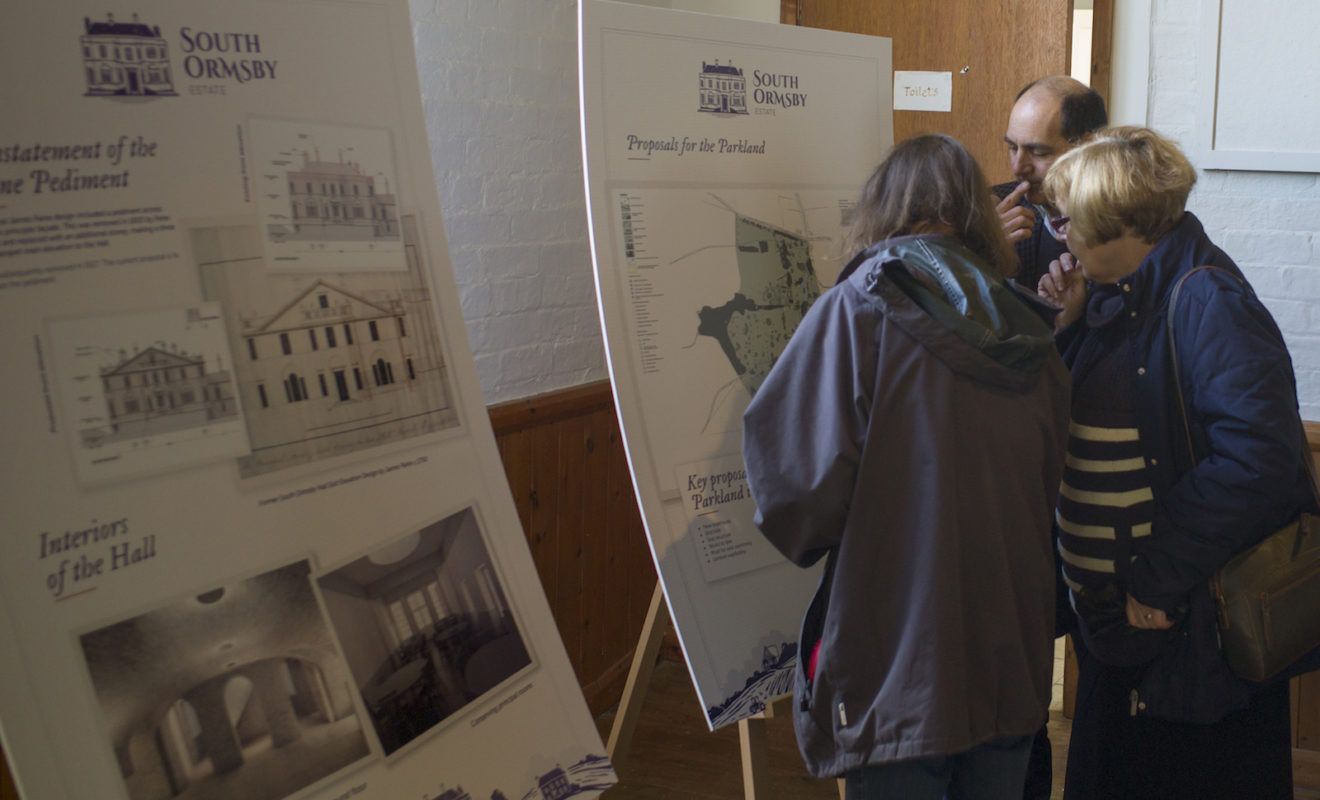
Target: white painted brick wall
[1268,222]
[499,90]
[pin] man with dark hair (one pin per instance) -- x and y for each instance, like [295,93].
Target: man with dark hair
[1050,117]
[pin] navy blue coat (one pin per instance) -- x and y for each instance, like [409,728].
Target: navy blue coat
[1238,385]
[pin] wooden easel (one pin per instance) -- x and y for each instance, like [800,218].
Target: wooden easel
[751,730]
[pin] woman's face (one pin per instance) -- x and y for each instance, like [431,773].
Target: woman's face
[1108,262]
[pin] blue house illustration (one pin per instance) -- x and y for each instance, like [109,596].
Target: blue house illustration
[555,785]
[723,89]
[125,58]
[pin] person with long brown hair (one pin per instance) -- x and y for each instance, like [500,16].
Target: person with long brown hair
[930,184]
[911,435]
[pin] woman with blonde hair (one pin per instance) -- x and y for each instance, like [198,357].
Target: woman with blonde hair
[1180,455]
[911,434]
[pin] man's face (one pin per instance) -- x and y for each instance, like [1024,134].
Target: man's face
[1035,139]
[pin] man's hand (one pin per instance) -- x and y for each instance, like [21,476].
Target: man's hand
[1064,286]
[1017,220]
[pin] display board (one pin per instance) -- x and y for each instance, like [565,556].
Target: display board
[258,541]
[722,159]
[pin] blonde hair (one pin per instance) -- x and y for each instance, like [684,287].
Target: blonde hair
[1125,180]
[927,181]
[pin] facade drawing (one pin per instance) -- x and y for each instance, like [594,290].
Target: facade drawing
[160,390]
[146,392]
[326,363]
[337,201]
[327,196]
[723,88]
[125,58]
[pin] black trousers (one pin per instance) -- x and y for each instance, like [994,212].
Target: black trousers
[1040,768]
[1247,754]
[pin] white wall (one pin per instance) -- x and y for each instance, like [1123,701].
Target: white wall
[499,89]
[1130,63]
[1268,222]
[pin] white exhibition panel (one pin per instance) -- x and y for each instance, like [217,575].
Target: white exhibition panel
[258,541]
[722,157]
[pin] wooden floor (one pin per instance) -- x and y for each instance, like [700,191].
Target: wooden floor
[673,755]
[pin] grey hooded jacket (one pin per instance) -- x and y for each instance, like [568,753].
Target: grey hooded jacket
[913,433]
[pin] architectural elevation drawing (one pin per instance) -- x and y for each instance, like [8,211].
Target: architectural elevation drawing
[236,692]
[426,626]
[147,392]
[326,195]
[326,363]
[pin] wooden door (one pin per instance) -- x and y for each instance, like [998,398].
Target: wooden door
[992,47]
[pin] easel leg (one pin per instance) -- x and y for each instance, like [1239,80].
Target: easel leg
[751,731]
[752,744]
[639,679]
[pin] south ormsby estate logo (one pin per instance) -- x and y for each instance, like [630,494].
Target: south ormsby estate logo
[723,90]
[125,59]
[132,59]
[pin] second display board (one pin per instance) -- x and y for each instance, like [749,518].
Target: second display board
[723,158]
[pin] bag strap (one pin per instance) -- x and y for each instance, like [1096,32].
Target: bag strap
[1308,460]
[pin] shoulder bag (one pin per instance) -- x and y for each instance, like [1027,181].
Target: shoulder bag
[1267,596]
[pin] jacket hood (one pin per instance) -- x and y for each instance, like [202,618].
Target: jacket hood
[961,295]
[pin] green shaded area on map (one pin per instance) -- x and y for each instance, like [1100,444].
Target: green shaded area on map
[777,285]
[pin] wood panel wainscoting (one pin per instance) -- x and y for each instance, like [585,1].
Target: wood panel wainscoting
[564,457]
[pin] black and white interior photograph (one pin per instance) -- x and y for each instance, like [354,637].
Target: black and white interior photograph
[235,692]
[425,626]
